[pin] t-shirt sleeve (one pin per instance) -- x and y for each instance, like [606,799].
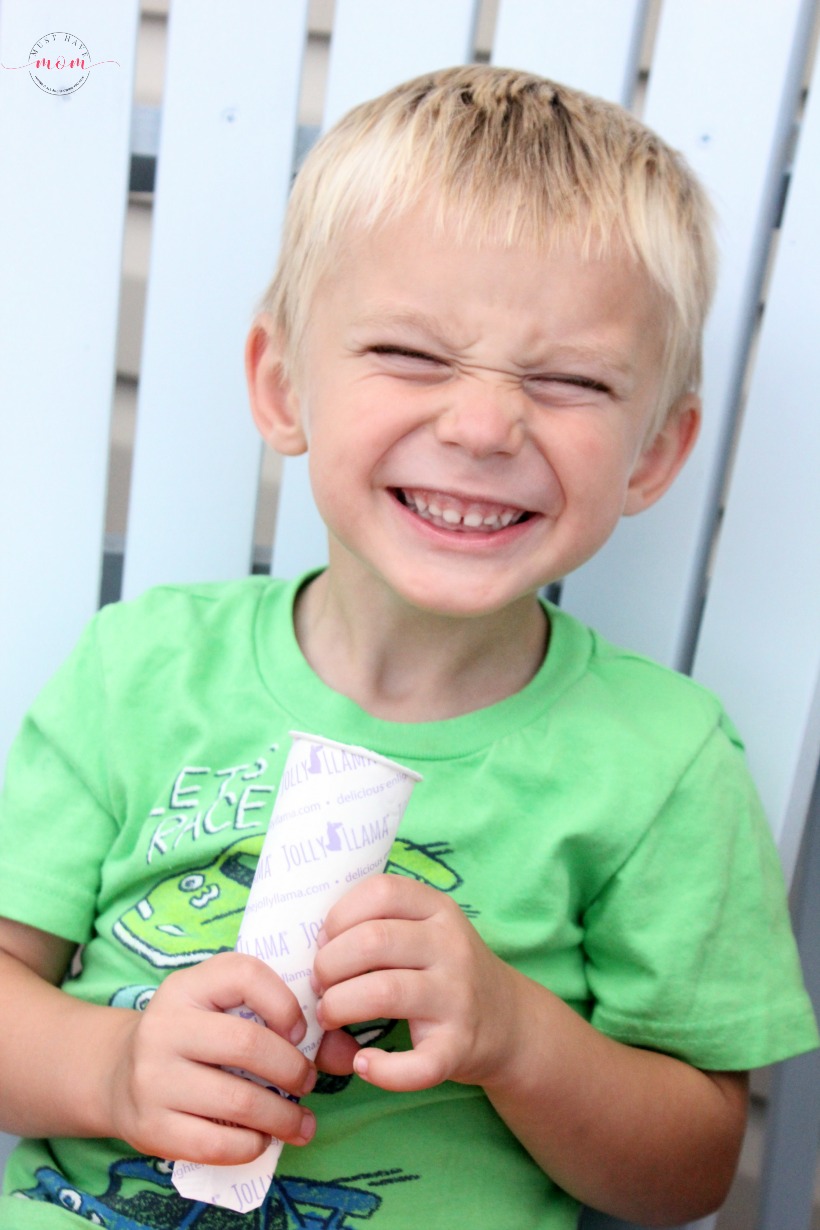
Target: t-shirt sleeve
[56,821]
[689,943]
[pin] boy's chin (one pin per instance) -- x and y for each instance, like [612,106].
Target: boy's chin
[446,598]
[445,589]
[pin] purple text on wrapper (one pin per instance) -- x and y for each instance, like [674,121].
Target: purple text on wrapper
[320,840]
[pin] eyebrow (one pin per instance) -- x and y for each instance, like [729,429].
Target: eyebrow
[422,322]
[618,364]
[433,330]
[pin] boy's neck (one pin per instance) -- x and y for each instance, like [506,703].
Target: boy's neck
[405,665]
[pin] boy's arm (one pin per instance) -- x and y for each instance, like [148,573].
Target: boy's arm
[40,1026]
[152,1078]
[635,1133]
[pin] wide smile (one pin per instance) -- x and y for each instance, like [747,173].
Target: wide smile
[457,514]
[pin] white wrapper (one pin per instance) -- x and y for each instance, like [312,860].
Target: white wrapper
[335,818]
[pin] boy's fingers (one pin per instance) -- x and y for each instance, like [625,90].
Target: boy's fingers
[213,1116]
[337,1053]
[380,943]
[236,1043]
[381,896]
[424,1067]
[234,980]
[405,994]
[236,1102]
[207,1142]
[211,1142]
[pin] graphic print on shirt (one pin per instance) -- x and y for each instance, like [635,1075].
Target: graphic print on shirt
[186,916]
[140,1196]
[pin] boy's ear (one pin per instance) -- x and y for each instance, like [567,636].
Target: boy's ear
[275,404]
[662,458]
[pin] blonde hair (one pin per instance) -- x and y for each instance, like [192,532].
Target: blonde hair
[508,157]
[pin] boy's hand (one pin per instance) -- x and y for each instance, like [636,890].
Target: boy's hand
[170,1096]
[393,947]
[638,1133]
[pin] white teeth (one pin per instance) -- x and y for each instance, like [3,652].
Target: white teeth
[430,510]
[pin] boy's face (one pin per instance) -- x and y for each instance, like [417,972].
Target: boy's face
[476,415]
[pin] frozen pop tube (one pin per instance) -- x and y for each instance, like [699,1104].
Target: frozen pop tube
[334,820]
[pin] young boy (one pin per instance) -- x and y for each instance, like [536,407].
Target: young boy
[485,330]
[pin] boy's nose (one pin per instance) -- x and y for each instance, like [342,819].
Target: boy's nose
[483,420]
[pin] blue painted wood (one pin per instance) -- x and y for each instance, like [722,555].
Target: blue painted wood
[226,149]
[759,646]
[548,38]
[64,159]
[723,88]
[793,1138]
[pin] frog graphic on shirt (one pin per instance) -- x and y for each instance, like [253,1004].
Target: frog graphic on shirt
[185,918]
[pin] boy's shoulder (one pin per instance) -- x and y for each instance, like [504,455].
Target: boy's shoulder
[191,594]
[622,690]
[169,621]
[169,606]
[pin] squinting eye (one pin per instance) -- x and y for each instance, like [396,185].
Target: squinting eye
[584,382]
[404,352]
[562,386]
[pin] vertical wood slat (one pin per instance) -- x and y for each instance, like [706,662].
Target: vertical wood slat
[553,38]
[723,87]
[759,645]
[64,162]
[377,46]
[793,1120]
[373,48]
[229,117]
[61,265]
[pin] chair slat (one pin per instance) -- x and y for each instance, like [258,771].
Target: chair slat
[759,644]
[374,47]
[64,163]
[553,38]
[224,168]
[723,87]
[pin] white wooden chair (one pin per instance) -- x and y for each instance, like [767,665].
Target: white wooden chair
[728,84]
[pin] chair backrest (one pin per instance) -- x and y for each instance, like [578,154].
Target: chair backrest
[726,81]
[726,84]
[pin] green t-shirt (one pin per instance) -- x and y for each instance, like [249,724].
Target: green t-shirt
[599,829]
